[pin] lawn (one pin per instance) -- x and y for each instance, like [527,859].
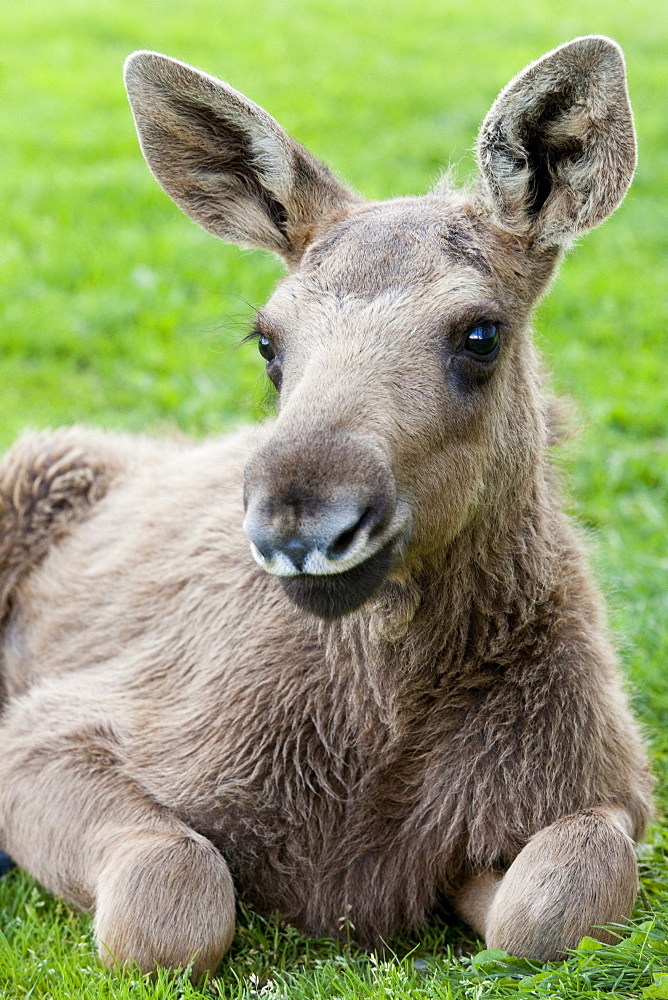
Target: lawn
[118,311]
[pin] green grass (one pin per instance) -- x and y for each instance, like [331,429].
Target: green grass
[118,311]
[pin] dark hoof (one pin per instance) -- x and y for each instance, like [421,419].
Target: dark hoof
[6,863]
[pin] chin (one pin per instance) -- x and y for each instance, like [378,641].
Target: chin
[333,595]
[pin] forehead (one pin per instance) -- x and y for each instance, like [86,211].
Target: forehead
[398,244]
[412,253]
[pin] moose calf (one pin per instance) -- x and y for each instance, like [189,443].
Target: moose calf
[402,690]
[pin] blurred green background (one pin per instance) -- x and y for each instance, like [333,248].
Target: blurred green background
[116,310]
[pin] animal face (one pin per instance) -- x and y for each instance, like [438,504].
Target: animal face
[409,394]
[405,403]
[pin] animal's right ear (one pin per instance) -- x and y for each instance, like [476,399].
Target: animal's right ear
[557,150]
[226,162]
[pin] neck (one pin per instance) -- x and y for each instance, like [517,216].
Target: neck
[462,608]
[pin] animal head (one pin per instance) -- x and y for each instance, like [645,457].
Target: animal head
[409,393]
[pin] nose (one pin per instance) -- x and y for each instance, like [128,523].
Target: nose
[320,502]
[331,537]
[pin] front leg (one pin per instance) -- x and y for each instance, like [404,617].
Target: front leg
[571,878]
[72,816]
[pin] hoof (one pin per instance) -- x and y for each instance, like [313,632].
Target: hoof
[168,901]
[6,863]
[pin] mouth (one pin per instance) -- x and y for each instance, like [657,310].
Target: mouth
[334,595]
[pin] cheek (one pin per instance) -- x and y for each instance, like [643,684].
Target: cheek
[444,459]
[437,415]
[445,487]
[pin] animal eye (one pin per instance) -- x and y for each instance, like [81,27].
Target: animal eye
[265,348]
[483,340]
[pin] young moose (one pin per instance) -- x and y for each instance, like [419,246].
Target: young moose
[403,691]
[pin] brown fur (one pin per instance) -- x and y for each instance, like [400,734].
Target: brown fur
[452,711]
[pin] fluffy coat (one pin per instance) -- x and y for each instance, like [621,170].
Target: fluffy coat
[442,720]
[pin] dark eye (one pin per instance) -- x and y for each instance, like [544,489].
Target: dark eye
[265,348]
[482,340]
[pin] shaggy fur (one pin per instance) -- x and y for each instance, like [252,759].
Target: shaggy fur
[431,708]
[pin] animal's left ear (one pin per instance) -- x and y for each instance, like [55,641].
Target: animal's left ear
[557,150]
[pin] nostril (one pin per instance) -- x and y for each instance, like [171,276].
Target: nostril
[342,542]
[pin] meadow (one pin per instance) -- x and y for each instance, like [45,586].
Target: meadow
[117,311]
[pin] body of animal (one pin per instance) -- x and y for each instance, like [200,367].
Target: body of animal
[402,689]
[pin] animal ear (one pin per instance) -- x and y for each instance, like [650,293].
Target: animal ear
[225,161]
[557,150]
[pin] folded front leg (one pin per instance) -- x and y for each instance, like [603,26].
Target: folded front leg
[163,897]
[70,814]
[571,878]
